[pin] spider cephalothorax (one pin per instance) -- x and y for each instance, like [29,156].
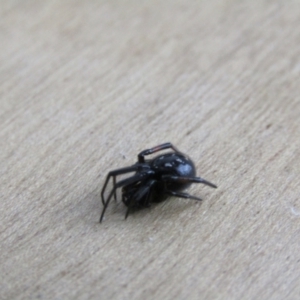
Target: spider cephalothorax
[154,179]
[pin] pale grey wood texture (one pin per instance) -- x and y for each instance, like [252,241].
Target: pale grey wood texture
[86,85]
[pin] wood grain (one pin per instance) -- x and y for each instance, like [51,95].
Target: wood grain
[86,85]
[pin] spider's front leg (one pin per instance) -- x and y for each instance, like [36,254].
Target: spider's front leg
[115,173]
[141,176]
[164,146]
[119,184]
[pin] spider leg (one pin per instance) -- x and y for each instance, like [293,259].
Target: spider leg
[164,146]
[114,173]
[182,195]
[140,194]
[170,178]
[128,209]
[115,194]
[119,184]
[151,184]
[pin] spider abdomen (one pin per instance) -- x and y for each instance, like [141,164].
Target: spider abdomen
[174,164]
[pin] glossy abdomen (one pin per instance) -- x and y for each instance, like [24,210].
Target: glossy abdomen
[175,164]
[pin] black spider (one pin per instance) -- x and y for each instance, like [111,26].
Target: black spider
[154,179]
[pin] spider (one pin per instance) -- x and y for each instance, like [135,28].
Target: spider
[153,180]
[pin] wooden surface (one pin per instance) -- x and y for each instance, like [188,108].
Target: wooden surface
[86,85]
